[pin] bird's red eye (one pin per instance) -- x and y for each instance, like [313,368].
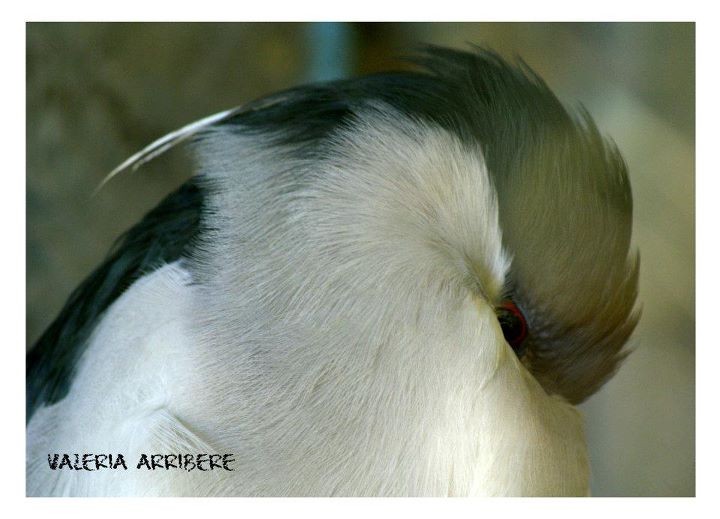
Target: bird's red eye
[513,325]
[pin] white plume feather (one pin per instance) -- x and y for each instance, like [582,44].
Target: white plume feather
[172,139]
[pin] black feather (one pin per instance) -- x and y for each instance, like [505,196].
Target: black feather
[164,235]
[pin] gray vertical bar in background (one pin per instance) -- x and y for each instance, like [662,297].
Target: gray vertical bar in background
[332,51]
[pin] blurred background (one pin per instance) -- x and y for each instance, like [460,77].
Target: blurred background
[96,93]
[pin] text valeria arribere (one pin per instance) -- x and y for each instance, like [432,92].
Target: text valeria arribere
[187,462]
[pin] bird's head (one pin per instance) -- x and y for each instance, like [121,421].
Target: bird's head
[444,250]
[470,175]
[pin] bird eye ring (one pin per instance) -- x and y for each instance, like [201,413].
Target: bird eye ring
[513,324]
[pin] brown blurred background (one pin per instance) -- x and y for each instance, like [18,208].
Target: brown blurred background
[96,93]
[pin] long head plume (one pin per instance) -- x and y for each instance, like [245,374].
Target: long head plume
[172,139]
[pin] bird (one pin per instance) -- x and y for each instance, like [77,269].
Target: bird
[398,284]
